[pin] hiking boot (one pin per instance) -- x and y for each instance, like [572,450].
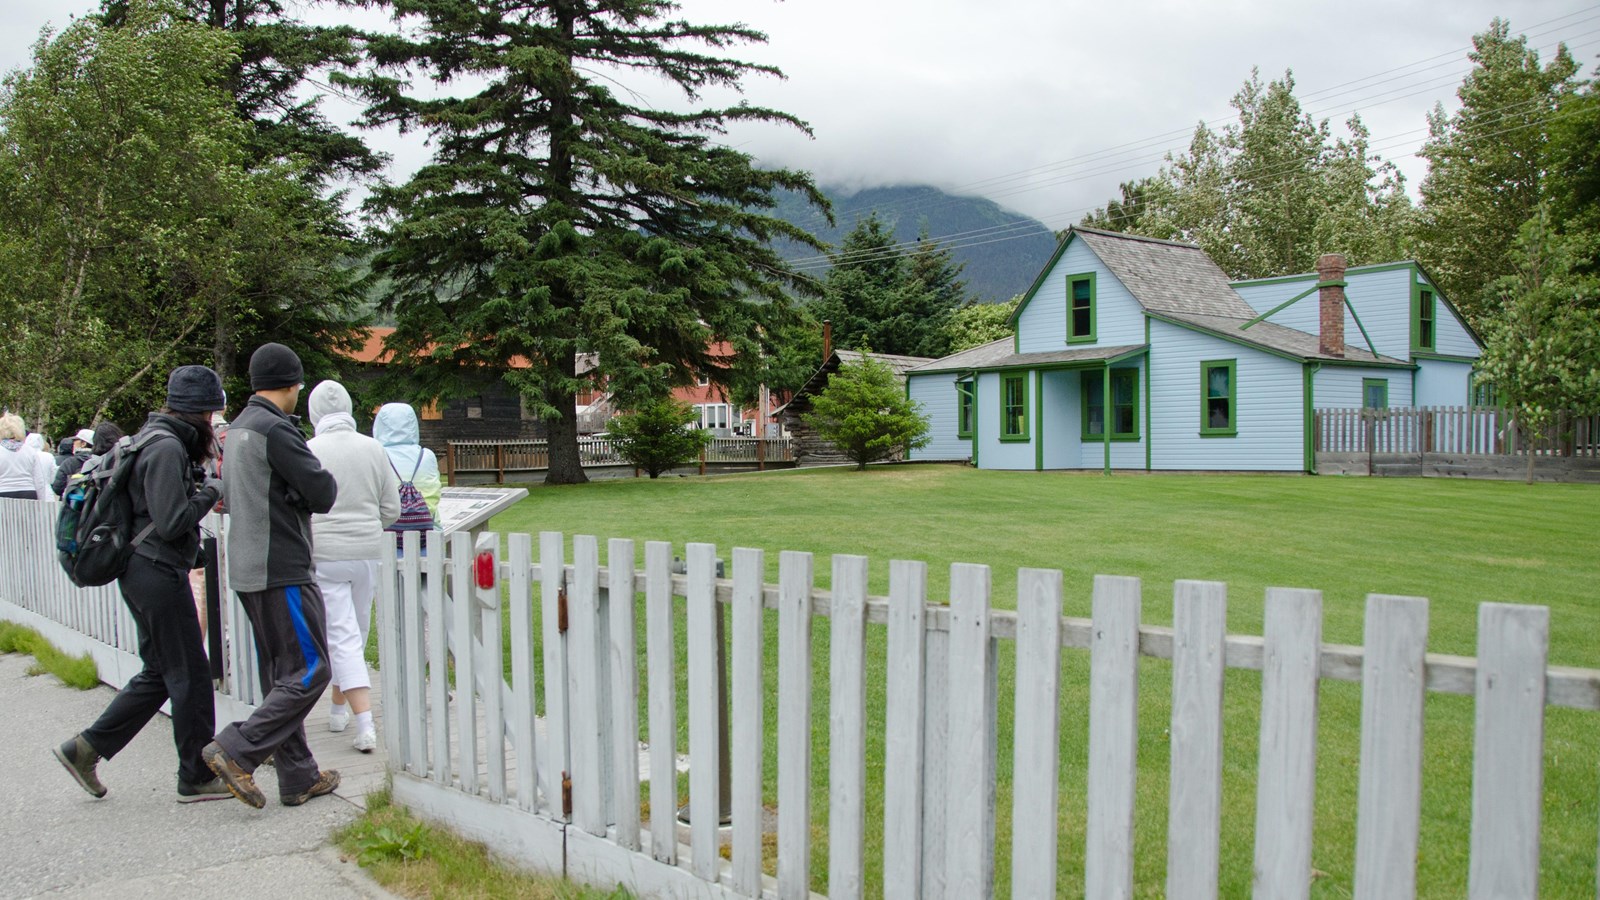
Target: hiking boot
[366,741]
[239,782]
[79,759]
[199,793]
[327,781]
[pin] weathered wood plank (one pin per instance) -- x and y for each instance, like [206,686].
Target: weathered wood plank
[1389,804]
[416,751]
[435,631]
[491,669]
[389,618]
[1508,751]
[1287,766]
[935,751]
[583,685]
[903,727]
[464,619]
[554,757]
[969,817]
[1113,737]
[1036,766]
[1194,803]
[622,651]
[794,725]
[705,709]
[520,547]
[749,706]
[660,652]
[847,732]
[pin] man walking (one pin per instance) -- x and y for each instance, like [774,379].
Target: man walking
[272,484]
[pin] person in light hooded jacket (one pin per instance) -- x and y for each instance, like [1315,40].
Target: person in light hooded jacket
[25,473]
[397,430]
[347,542]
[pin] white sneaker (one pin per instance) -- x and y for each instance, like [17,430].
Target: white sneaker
[366,741]
[338,721]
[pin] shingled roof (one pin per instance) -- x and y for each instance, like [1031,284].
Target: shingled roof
[1166,277]
[1002,354]
[1290,341]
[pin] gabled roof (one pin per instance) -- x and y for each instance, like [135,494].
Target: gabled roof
[1378,267]
[1164,276]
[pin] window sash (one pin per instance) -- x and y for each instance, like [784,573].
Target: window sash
[1013,407]
[1219,391]
[964,408]
[1080,308]
[1124,405]
[1375,393]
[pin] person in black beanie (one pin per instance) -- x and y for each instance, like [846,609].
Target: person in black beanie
[272,484]
[170,494]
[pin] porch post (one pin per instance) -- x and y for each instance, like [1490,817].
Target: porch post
[1106,411]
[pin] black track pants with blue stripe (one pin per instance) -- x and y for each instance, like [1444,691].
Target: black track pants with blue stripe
[290,626]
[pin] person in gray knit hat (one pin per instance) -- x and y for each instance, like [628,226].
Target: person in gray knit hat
[273,483]
[170,493]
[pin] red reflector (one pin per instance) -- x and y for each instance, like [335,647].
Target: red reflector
[486,570]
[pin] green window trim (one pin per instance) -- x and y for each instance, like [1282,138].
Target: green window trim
[1124,404]
[966,408]
[1424,318]
[1219,408]
[1014,406]
[1374,388]
[1081,312]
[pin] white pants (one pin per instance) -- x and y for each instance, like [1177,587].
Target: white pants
[347,587]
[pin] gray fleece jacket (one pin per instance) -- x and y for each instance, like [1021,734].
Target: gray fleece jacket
[369,490]
[272,484]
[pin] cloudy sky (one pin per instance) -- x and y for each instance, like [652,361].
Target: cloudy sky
[1045,106]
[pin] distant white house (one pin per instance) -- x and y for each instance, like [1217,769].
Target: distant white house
[1135,353]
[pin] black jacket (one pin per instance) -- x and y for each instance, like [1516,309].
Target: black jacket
[67,468]
[164,490]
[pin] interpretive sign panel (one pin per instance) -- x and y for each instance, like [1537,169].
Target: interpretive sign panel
[469,508]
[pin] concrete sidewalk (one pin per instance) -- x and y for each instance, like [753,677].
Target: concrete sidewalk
[138,841]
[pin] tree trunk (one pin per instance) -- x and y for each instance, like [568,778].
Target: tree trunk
[566,467]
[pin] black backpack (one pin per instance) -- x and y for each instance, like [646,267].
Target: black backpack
[94,526]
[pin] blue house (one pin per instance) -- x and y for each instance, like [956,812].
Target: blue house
[1135,353]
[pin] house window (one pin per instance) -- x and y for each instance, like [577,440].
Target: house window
[1426,309]
[1014,407]
[1481,391]
[1375,393]
[1080,308]
[1219,398]
[1124,405]
[714,415]
[965,408]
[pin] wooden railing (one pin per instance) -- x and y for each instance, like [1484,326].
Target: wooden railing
[502,458]
[1453,430]
[563,792]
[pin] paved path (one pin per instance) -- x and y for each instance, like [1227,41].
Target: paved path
[138,842]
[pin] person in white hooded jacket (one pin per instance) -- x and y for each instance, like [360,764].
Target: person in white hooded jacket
[347,541]
[396,428]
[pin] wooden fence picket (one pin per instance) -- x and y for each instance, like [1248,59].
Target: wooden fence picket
[622,651]
[1034,813]
[794,725]
[1113,737]
[463,629]
[437,633]
[1194,803]
[748,708]
[491,663]
[903,731]
[1389,802]
[524,736]
[555,766]
[416,751]
[969,774]
[1287,766]
[660,652]
[1508,751]
[583,685]
[847,732]
[705,709]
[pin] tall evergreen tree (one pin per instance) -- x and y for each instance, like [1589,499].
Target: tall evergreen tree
[1487,163]
[557,216]
[883,297]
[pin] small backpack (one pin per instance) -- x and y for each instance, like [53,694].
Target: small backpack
[414,512]
[94,525]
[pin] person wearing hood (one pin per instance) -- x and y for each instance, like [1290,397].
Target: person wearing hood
[84,445]
[25,473]
[348,540]
[397,430]
[170,494]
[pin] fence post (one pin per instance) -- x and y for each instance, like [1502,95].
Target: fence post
[450,463]
[500,463]
[761,454]
[702,460]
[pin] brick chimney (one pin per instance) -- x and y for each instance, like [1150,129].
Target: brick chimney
[1330,296]
[827,338]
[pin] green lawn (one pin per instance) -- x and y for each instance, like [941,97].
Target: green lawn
[1458,543]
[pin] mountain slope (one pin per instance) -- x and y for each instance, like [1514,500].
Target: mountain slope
[1003,250]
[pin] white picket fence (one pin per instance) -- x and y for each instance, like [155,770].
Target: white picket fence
[562,792]
[35,592]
